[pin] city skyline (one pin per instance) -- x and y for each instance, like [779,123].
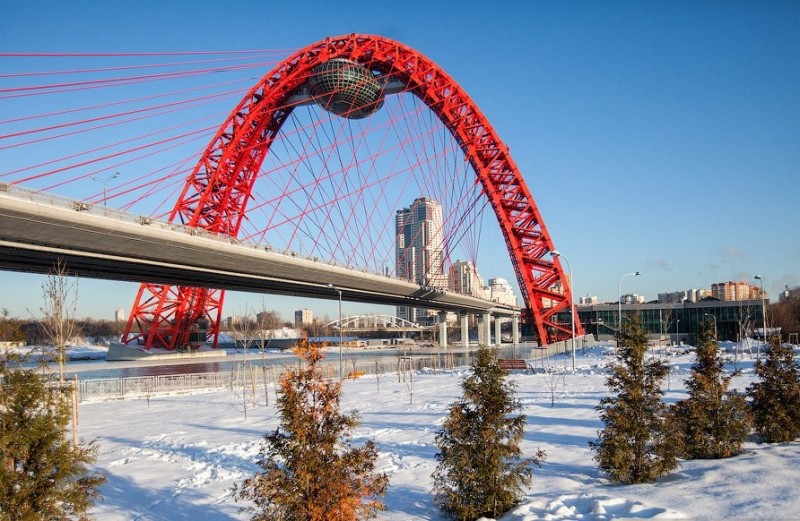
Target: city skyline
[654,138]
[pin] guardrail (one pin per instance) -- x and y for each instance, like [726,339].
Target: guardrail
[57,201]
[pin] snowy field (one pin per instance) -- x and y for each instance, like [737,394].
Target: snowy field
[177,457]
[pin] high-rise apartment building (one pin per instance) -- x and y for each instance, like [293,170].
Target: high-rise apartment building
[303,317]
[735,291]
[419,248]
[464,278]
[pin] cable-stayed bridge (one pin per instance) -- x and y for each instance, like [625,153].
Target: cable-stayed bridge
[322,155]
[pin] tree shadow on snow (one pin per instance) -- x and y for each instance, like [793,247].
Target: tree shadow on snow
[125,499]
[416,502]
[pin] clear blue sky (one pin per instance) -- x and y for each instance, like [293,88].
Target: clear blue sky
[662,137]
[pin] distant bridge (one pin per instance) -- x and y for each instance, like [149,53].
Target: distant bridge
[373,323]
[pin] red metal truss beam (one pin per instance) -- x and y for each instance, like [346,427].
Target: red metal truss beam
[216,194]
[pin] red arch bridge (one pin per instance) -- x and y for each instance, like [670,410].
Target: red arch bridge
[355,165]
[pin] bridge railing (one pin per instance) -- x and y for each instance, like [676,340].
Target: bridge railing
[42,197]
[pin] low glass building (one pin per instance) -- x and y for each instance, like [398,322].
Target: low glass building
[674,322]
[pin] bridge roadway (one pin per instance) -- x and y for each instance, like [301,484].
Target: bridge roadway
[36,229]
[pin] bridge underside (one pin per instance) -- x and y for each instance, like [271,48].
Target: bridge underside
[41,259]
[34,236]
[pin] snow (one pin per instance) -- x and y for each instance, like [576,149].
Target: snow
[177,457]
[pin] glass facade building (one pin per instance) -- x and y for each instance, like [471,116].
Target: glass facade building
[674,322]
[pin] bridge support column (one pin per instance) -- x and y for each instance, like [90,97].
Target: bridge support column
[443,329]
[484,329]
[464,330]
[498,324]
[515,330]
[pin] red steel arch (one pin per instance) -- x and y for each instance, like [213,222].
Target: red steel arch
[215,196]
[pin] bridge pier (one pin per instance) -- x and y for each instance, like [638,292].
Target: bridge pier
[443,329]
[484,329]
[498,339]
[515,330]
[464,329]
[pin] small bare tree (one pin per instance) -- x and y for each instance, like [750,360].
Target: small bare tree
[553,380]
[745,325]
[245,330]
[60,296]
[268,322]
[666,319]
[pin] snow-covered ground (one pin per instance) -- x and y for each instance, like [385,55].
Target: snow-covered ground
[177,457]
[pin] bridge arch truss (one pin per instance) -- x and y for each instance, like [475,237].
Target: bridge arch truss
[216,194]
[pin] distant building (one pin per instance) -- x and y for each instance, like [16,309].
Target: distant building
[739,290]
[419,237]
[673,297]
[789,294]
[500,291]
[587,300]
[689,295]
[119,315]
[464,278]
[233,321]
[632,298]
[558,287]
[673,322]
[303,317]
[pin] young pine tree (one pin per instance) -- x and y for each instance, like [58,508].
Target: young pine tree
[311,473]
[713,421]
[42,474]
[480,470]
[638,443]
[775,398]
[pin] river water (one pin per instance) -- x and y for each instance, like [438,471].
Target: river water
[456,357]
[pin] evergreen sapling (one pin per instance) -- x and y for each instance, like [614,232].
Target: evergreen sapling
[310,471]
[43,475]
[481,471]
[775,397]
[638,443]
[713,421]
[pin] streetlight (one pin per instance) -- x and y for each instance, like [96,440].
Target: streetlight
[619,294]
[760,279]
[341,338]
[105,184]
[556,253]
[715,323]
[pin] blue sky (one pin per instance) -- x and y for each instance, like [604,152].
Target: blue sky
[662,137]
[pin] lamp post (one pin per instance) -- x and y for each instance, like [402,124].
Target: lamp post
[105,181]
[678,331]
[715,323]
[341,337]
[619,294]
[556,253]
[760,279]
